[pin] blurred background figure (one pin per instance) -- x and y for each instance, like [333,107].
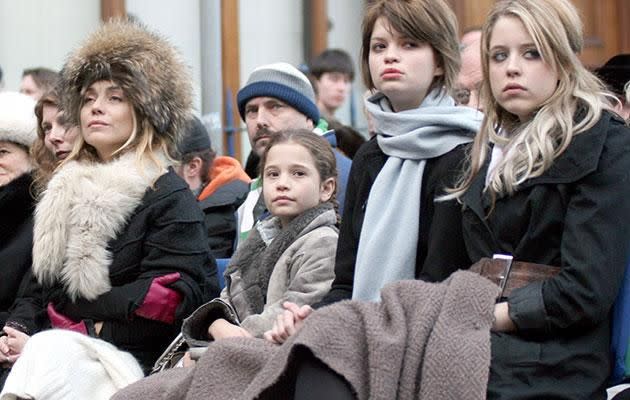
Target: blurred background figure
[19,308]
[332,73]
[1,80]
[37,81]
[55,139]
[616,74]
[469,78]
[219,183]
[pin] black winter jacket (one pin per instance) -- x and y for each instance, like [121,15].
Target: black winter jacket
[20,295]
[440,249]
[576,216]
[164,234]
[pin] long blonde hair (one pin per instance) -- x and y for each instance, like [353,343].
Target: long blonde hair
[531,147]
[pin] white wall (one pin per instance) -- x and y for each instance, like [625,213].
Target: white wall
[35,33]
[270,31]
[345,33]
[179,22]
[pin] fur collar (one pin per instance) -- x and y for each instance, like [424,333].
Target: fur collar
[84,207]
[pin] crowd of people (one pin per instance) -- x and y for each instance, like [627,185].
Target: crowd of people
[472,248]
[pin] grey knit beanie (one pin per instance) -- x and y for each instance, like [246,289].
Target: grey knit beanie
[283,82]
[18,123]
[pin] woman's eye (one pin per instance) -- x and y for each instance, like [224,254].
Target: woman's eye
[410,45]
[499,56]
[532,54]
[116,98]
[299,173]
[377,47]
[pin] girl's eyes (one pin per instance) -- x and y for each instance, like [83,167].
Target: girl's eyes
[532,54]
[271,174]
[410,45]
[299,173]
[499,56]
[377,47]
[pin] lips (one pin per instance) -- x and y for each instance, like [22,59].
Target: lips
[390,73]
[513,87]
[96,123]
[282,199]
[62,154]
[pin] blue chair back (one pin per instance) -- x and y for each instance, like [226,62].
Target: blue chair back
[621,332]
[222,264]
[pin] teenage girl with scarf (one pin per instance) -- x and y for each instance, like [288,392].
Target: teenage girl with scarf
[394,226]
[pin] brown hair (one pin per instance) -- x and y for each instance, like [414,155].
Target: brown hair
[44,160]
[44,78]
[319,149]
[427,21]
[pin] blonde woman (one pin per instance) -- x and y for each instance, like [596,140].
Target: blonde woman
[119,241]
[548,183]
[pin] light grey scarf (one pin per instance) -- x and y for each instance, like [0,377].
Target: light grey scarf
[389,236]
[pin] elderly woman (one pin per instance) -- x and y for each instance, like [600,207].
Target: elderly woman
[19,304]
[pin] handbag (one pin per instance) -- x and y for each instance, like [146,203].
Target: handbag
[194,327]
[509,274]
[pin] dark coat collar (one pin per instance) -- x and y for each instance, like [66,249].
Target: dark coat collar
[578,160]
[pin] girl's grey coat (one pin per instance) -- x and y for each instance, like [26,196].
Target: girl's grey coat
[302,274]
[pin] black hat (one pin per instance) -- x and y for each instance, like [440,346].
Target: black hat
[615,73]
[195,138]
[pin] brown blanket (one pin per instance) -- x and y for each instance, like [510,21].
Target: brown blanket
[423,341]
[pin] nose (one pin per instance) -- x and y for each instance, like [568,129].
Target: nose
[282,183]
[391,54]
[97,106]
[513,66]
[262,120]
[57,133]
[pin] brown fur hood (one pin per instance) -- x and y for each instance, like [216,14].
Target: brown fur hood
[146,66]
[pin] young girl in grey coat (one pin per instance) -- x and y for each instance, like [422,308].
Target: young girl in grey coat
[289,256]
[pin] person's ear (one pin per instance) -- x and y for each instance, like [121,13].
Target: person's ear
[326,189]
[193,167]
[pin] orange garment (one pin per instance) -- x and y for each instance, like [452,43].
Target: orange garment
[223,171]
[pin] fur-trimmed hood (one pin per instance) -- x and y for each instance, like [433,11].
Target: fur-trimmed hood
[146,66]
[84,207]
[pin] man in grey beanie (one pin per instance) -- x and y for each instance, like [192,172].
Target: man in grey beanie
[277,97]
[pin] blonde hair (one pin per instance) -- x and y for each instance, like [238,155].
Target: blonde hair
[531,147]
[427,21]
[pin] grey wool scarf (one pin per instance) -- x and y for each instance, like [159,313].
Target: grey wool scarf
[389,236]
[256,259]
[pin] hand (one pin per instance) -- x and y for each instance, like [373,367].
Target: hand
[58,320]
[502,321]
[160,302]
[188,361]
[221,329]
[288,323]
[11,346]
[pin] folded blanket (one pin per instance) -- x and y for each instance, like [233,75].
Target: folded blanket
[422,341]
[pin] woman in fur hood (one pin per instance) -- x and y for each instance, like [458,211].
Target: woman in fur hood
[119,241]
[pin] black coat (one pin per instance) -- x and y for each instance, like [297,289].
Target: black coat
[20,295]
[165,234]
[440,249]
[576,216]
[220,216]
